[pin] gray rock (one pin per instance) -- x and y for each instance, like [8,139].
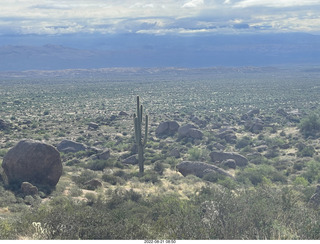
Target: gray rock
[93,126]
[4,125]
[199,169]
[184,130]
[167,128]
[228,135]
[250,114]
[219,146]
[230,163]
[190,131]
[28,189]
[34,162]
[175,153]
[67,146]
[93,184]
[131,160]
[195,133]
[105,155]
[122,113]
[261,148]
[254,125]
[222,156]
[199,122]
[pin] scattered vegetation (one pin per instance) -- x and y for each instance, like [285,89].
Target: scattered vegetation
[270,197]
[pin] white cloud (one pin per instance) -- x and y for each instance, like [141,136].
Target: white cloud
[193,4]
[276,3]
[150,16]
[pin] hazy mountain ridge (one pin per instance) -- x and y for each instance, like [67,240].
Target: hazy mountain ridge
[158,51]
[130,71]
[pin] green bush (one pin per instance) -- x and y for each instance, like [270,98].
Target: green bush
[310,126]
[307,151]
[159,168]
[85,176]
[195,154]
[259,173]
[312,171]
[150,176]
[97,165]
[112,179]
[243,142]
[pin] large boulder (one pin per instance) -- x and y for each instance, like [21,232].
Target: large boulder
[167,128]
[223,156]
[228,135]
[184,130]
[190,130]
[34,162]
[4,125]
[199,169]
[67,146]
[254,125]
[250,114]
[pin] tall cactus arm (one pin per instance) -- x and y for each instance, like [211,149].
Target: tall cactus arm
[145,132]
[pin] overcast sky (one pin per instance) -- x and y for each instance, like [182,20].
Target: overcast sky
[158,17]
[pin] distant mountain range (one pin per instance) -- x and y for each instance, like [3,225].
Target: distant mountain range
[99,51]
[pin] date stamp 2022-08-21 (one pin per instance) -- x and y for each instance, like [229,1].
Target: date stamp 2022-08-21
[159,241]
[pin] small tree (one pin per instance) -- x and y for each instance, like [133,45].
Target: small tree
[140,141]
[310,126]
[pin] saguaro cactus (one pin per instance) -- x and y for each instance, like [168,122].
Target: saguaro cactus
[140,141]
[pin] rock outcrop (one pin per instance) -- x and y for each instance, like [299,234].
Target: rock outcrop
[93,184]
[4,125]
[105,155]
[67,146]
[223,156]
[190,130]
[131,160]
[228,135]
[254,125]
[199,169]
[167,128]
[28,189]
[34,162]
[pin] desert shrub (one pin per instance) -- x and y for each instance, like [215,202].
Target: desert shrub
[119,196]
[112,179]
[195,154]
[75,191]
[243,142]
[300,181]
[258,174]
[85,176]
[312,171]
[213,177]
[258,159]
[97,164]
[310,126]
[7,230]
[172,161]
[159,167]
[150,176]
[122,174]
[272,153]
[3,152]
[306,151]
[73,162]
